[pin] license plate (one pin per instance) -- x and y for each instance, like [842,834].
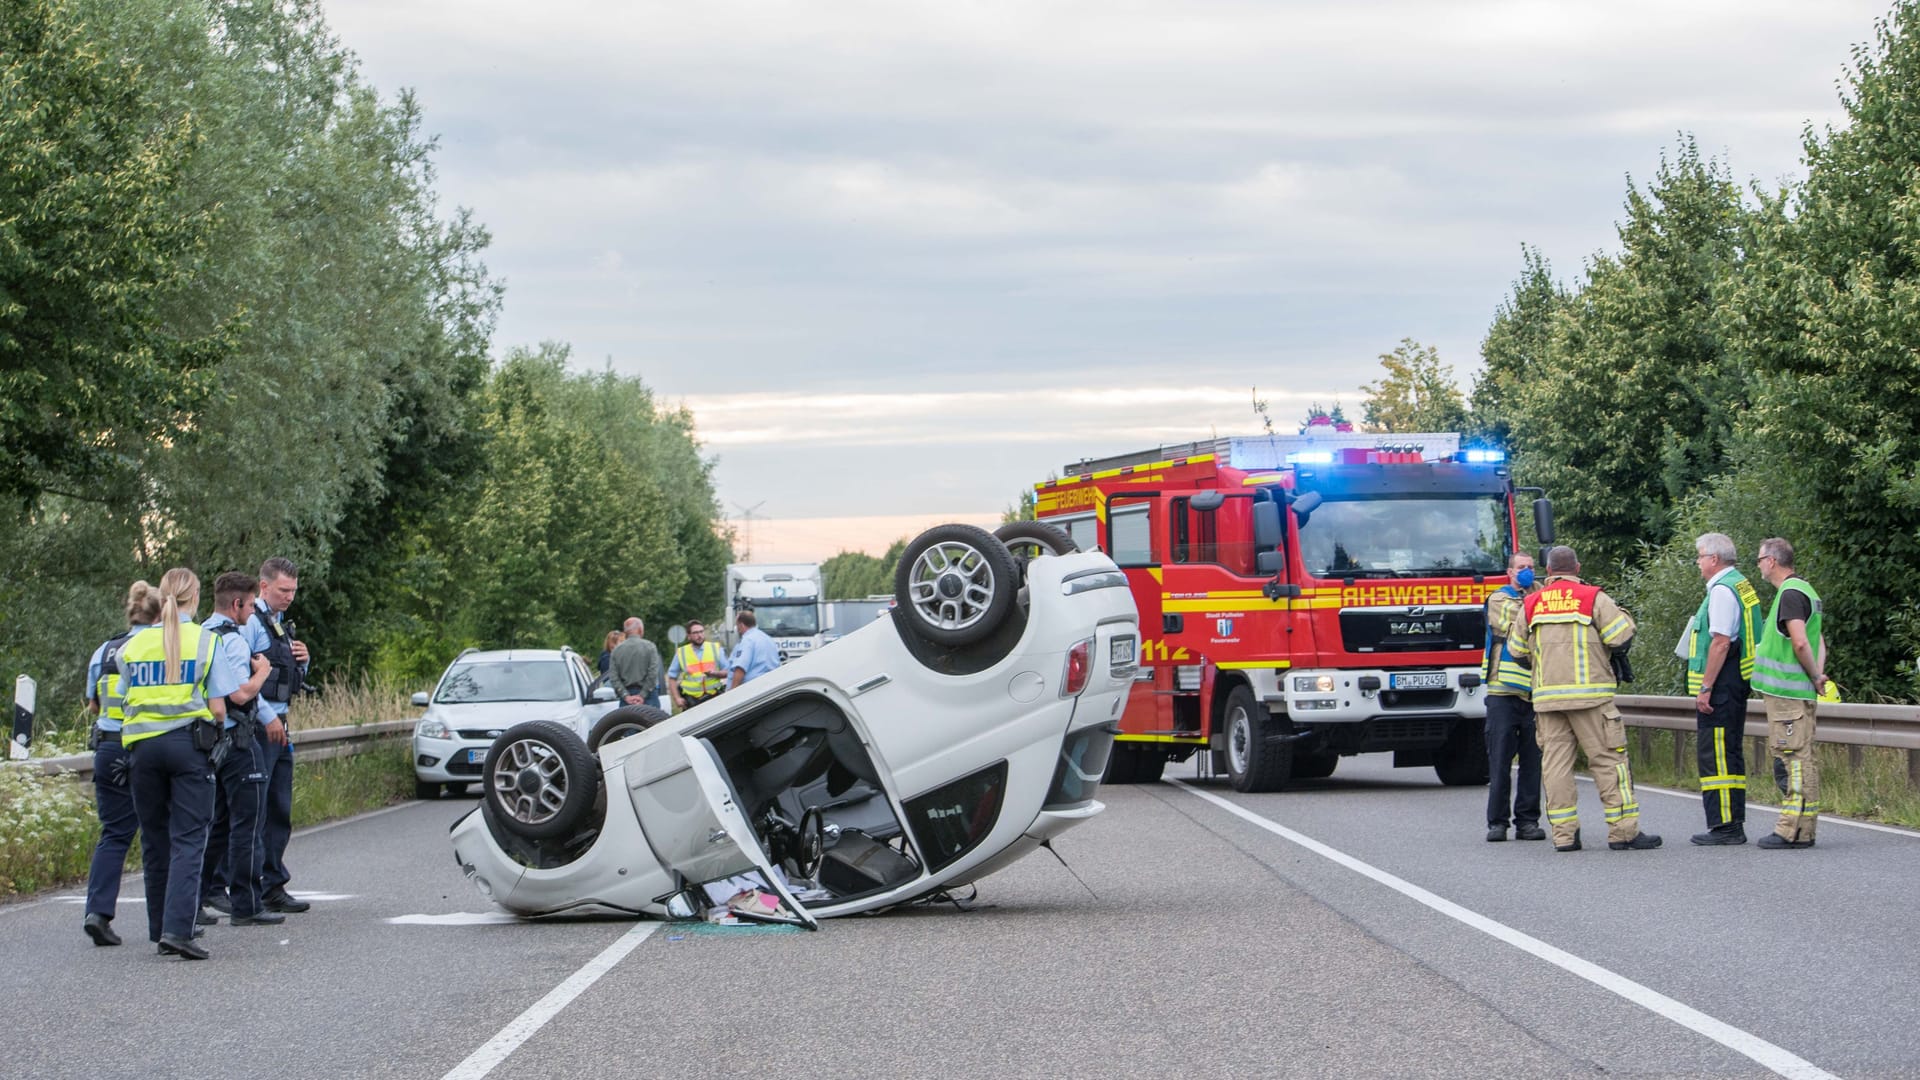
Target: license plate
[1122,653]
[1417,680]
[476,756]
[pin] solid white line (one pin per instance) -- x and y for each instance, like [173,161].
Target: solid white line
[484,1060]
[1825,819]
[1774,1058]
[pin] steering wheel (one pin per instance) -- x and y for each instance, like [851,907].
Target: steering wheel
[811,848]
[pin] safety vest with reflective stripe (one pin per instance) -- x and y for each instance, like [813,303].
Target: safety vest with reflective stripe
[1503,673]
[1569,629]
[1776,671]
[153,705]
[700,672]
[1702,636]
[107,689]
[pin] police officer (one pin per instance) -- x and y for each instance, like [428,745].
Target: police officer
[112,800]
[1790,671]
[236,846]
[1569,631]
[698,670]
[174,696]
[267,636]
[1510,730]
[1720,649]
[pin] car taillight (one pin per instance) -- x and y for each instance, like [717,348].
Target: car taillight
[1079,666]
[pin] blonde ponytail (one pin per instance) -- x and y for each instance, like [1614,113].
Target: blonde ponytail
[179,591]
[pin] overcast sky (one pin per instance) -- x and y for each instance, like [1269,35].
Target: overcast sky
[903,259]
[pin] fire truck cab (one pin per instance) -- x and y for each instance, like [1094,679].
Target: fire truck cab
[1302,598]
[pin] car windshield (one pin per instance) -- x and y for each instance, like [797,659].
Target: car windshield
[787,620]
[505,680]
[1405,537]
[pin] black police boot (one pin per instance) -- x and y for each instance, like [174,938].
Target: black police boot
[1731,833]
[1496,834]
[259,918]
[281,901]
[206,918]
[1642,842]
[184,948]
[1575,846]
[1529,832]
[218,902]
[100,929]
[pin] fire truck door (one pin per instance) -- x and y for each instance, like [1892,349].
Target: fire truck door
[1132,543]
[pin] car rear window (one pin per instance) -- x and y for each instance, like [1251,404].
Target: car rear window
[505,680]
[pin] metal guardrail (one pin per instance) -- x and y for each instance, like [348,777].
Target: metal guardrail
[317,744]
[1895,727]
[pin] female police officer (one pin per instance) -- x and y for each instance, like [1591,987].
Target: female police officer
[173,701]
[112,800]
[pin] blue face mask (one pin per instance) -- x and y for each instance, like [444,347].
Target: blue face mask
[1524,578]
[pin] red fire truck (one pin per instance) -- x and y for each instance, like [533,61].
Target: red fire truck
[1302,598]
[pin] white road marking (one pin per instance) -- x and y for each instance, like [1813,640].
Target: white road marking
[456,918]
[1825,819]
[1773,1058]
[484,1060]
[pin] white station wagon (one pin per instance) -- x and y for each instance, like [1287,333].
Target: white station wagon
[921,752]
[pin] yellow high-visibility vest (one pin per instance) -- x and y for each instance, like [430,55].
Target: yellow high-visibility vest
[154,706]
[700,672]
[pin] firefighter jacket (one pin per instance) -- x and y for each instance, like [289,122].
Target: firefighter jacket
[1746,630]
[1502,672]
[1569,630]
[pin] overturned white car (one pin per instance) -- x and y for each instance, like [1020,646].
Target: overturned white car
[919,753]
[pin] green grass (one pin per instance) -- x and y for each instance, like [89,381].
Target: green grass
[48,826]
[1876,789]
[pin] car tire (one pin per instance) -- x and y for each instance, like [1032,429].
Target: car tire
[1135,764]
[622,723]
[540,780]
[1315,766]
[1462,762]
[1030,539]
[1257,760]
[955,585]
[425,790]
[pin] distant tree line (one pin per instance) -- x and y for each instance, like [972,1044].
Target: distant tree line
[235,321]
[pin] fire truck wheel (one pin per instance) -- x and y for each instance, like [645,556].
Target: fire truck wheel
[1135,764]
[956,584]
[1031,539]
[1463,761]
[622,722]
[1315,766]
[1259,758]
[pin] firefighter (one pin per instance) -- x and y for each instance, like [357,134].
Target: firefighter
[1510,729]
[1790,671]
[112,799]
[698,670]
[1720,647]
[1570,630]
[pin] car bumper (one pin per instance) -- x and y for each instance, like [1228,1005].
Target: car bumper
[444,761]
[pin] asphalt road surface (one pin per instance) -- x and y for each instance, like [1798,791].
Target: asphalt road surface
[1357,926]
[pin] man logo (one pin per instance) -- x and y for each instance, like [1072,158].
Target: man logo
[1224,626]
[1416,611]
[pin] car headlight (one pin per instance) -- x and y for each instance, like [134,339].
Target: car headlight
[431,727]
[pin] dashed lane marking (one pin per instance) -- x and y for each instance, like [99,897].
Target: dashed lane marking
[1774,1058]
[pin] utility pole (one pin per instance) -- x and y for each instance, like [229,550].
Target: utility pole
[746,528]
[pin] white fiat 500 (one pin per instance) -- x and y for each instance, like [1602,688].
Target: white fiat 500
[921,752]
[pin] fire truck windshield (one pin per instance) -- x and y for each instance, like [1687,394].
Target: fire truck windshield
[800,619]
[1405,537]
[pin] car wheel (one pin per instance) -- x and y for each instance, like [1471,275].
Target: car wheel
[1256,761]
[424,790]
[1135,764]
[1463,761]
[622,723]
[955,584]
[1315,766]
[540,780]
[1031,539]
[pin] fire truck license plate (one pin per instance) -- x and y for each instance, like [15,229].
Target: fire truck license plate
[1417,680]
[1122,654]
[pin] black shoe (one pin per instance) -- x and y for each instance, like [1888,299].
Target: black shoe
[1724,835]
[206,918]
[1575,846]
[1642,842]
[184,948]
[259,918]
[1529,832]
[286,902]
[100,929]
[1496,834]
[1773,841]
[219,902]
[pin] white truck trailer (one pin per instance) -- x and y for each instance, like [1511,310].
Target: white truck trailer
[785,600]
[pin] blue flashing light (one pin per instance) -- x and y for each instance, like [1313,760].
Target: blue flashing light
[1310,457]
[1486,457]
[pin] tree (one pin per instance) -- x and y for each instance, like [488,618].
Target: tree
[1417,393]
[1330,420]
[853,575]
[1517,348]
[1024,510]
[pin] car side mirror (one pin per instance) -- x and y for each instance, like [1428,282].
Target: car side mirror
[420,699]
[603,693]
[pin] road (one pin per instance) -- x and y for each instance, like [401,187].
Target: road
[1358,926]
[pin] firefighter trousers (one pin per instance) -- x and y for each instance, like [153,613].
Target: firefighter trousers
[1720,742]
[1602,735]
[1796,765]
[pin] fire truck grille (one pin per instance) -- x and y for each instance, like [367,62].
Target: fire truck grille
[1409,733]
[1377,630]
[1424,700]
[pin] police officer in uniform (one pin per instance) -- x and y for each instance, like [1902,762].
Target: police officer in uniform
[237,844]
[175,696]
[1720,649]
[112,799]
[1790,671]
[698,670]
[267,636]
[1510,724]
[1569,631]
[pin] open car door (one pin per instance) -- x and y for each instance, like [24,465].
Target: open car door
[694,823]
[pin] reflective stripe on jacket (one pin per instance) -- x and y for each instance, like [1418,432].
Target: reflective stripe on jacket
[1569,629]
[1502,672]
[155,706]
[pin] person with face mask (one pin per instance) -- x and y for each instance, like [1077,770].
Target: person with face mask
[1510,726]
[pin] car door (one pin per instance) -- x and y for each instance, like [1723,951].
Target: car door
[691,819]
